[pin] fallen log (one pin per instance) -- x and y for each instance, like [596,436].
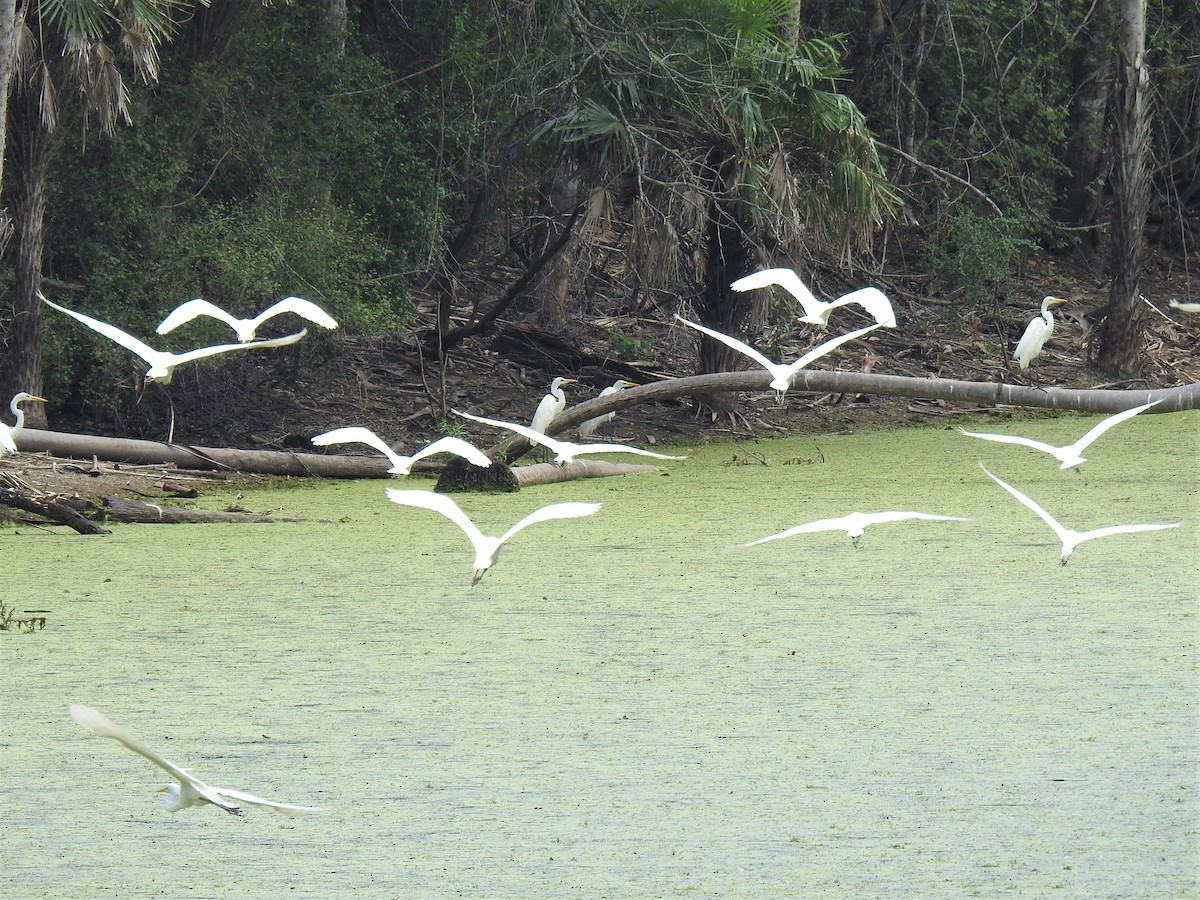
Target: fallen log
[52,510]
[122,509]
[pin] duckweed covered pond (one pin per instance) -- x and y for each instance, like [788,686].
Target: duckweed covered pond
[632,704]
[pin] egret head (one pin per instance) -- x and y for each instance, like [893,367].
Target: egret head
[1050,301]
[172,800]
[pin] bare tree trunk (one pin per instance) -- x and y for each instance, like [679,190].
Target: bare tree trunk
[1120,339]
[8,47]
[31,145]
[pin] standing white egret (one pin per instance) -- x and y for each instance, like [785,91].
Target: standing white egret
[781,375]
[487,548]
[589,427]
[1037,332]
[854,524]
[190,791]
[245,328]
[402,465]
[162,364]
[1185,306]
[873,300]
[552,404]
[8,432]
[1069,455]
[1070,537]
[564,451]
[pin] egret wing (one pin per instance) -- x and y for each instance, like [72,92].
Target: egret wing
[185,312]
[356,434]
[1013,439]
[98,725]
[442,504]
[733,342]
[202,352]
[126,340]
[1100,427]
[784,278]
[1041,513]
[301,307]
[458,447]
[288,809]
[6,440]
[553,511]
[1122,529]
[839,524]
[876,518]
[828,347]
[580,449]
[875,302]
[522,430]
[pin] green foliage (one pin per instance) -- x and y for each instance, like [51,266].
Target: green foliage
[628,348]
[973,253]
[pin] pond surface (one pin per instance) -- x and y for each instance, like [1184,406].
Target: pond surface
[631,704]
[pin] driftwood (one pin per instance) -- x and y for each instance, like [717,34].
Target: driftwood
[135,511]
[549,473]
[50,509]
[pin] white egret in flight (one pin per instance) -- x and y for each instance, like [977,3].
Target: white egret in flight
[162,364]
[402,465]
[486,547]
[873,300]
[854,524]
[1185,306]
[190,791]
[781,375]
[1037,332]
[564,451]
[245,328]
[1070,455]
[1070,537]
[8,432]
[552,404]
[589,427]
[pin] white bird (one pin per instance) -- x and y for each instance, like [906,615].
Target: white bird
[564,451]
[1185,306]
[162,364]
[8,432]
[854,524]
[245,328]
[402,465]
[552,404]
[1069,455]
[190,791]
[589,427]
[781,375]
[1070,537]
[1037,332]
[873,300]
[487,548]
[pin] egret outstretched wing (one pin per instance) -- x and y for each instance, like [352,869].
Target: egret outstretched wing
[245,328]
[564,451]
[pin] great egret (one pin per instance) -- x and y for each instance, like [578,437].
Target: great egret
[873,300]
[245,328]
[1185,306]
[1070,537]
[552,404]
[8,432]
[486,547]
[589,427]
[1037,332]
[190,791]
[781,375]
[402,465]
[564,451]
[1069,455]
[854,524]
[162,364]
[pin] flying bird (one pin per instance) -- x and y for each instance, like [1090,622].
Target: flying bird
[1070,455]
[552,404]
[591,425]
[162,364]
[854,524]
[873,300]
[1070,537]
[402,465]
[781,375]
[564,451]
[189,791]
[1037,332]
[1185,306]
[8,432]
[245,328]
[486,547]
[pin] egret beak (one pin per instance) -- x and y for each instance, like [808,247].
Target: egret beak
[161,790]
[1059,301]
[39,399]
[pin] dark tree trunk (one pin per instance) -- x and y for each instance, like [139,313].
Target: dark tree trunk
[30,144]
[8,61]
[1120,340]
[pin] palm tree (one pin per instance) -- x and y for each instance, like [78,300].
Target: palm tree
[65,65]
[721,142]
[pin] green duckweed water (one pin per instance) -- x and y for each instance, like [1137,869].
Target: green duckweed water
[632,705]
